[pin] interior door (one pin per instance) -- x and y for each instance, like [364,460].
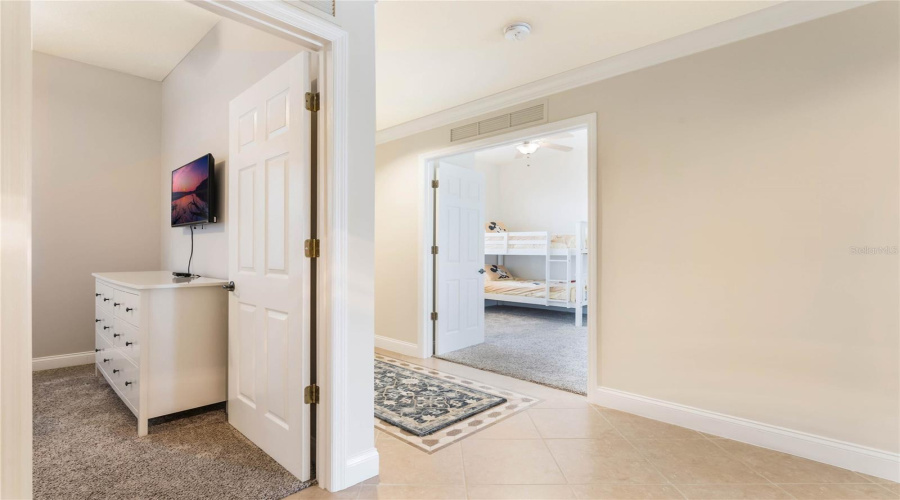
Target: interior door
[459,289]
[268,312]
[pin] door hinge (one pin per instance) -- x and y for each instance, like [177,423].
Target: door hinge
[311,248]
[312,101]
[434,250]
[434,316]
[311,394]
[435,183]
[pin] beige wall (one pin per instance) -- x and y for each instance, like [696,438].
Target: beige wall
[733,184]
[195,97]
[96,163]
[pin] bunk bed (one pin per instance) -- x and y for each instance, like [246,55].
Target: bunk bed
[566,253]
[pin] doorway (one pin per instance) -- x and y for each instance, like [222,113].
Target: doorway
[509,272]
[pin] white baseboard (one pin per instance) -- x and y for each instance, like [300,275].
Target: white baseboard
[398,346]
[62,361]
[821,449]
[361,467]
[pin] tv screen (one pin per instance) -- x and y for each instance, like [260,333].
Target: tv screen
[193,192]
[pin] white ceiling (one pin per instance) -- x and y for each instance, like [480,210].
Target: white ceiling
[141,38]
[505,155]
[433,55]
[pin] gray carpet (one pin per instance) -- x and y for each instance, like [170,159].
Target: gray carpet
[86,446]
[537,345]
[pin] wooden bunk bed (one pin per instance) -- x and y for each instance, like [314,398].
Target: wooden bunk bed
[560,252]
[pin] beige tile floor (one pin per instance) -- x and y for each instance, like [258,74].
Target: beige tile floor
[567,448]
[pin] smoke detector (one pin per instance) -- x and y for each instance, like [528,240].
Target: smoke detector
[517,31]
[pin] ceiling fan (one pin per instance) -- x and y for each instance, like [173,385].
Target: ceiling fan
[527,148]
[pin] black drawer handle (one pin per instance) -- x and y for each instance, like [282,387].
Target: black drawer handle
[129,309]
[97,320]
[97,294]
[107,327]
[117,335]
[97,350]
[128,343]
[117,304]
[107,360]
[116,370]
[106,300]
[128,383]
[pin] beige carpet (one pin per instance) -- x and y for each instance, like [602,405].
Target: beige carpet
[86,446]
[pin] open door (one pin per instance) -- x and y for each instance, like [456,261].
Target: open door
[459,284]
[269,210]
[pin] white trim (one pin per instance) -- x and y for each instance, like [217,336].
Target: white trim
[362,466]
[398,346]
[426,223]
[821,449]
[323,36]
[770,19]
[62,361]
[15,251]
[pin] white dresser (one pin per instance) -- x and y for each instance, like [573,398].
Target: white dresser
[162,342]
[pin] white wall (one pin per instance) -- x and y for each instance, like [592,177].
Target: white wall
[195,97]
[733,184]
[547,193]
[96,163]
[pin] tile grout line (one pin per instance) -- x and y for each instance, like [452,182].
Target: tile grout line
[732,455]
[547,447]
[635,448]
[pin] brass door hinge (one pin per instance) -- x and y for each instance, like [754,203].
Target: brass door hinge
[311,394]
[434,316]
[311,248]
[435,183]
[434,250]
[312,101]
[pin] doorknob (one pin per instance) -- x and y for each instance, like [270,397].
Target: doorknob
[229,286]
[481,271]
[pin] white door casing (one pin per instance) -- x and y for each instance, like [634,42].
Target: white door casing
[268,313]
[460,239]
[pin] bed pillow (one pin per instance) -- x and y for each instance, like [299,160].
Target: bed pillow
[497,273]
[495,227]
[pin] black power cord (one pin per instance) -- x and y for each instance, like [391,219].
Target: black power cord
[188,273]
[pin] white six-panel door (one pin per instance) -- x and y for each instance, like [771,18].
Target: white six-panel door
[459,285]
[268,313]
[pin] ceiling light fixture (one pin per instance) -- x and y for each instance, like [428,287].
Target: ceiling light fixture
[517,32]
[526,148]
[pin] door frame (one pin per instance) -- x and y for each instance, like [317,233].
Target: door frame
[335,469]
[429,163]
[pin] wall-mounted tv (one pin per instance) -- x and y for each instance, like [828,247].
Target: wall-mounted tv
[194,192]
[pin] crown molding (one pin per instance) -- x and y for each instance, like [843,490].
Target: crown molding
[780,16]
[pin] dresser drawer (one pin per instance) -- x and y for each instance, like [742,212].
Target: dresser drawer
[125,338]
[103,324]
[103,296]
[127,381]
[127,306]
[104,353]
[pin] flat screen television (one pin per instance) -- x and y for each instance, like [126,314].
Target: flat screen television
[194,192]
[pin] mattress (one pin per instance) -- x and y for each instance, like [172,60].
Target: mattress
[535,289]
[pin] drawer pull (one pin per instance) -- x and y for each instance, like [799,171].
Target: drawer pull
[107,360]
[97,320]
[129,309]
[117,335]
[97,349]
[106,300]
[97,294]
[128,343]
[116,370]
[117,304]
[128,383]
[107,327]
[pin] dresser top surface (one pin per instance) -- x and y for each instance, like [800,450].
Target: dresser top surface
[155,279]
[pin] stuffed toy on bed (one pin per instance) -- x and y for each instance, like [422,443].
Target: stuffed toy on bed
[495,227]
[497,273]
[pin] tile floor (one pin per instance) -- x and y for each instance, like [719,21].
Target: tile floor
[567,448]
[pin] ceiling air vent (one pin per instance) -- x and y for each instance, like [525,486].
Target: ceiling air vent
[498,123]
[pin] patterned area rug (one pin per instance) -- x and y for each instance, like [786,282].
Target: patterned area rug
[422,404]
[480,405]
